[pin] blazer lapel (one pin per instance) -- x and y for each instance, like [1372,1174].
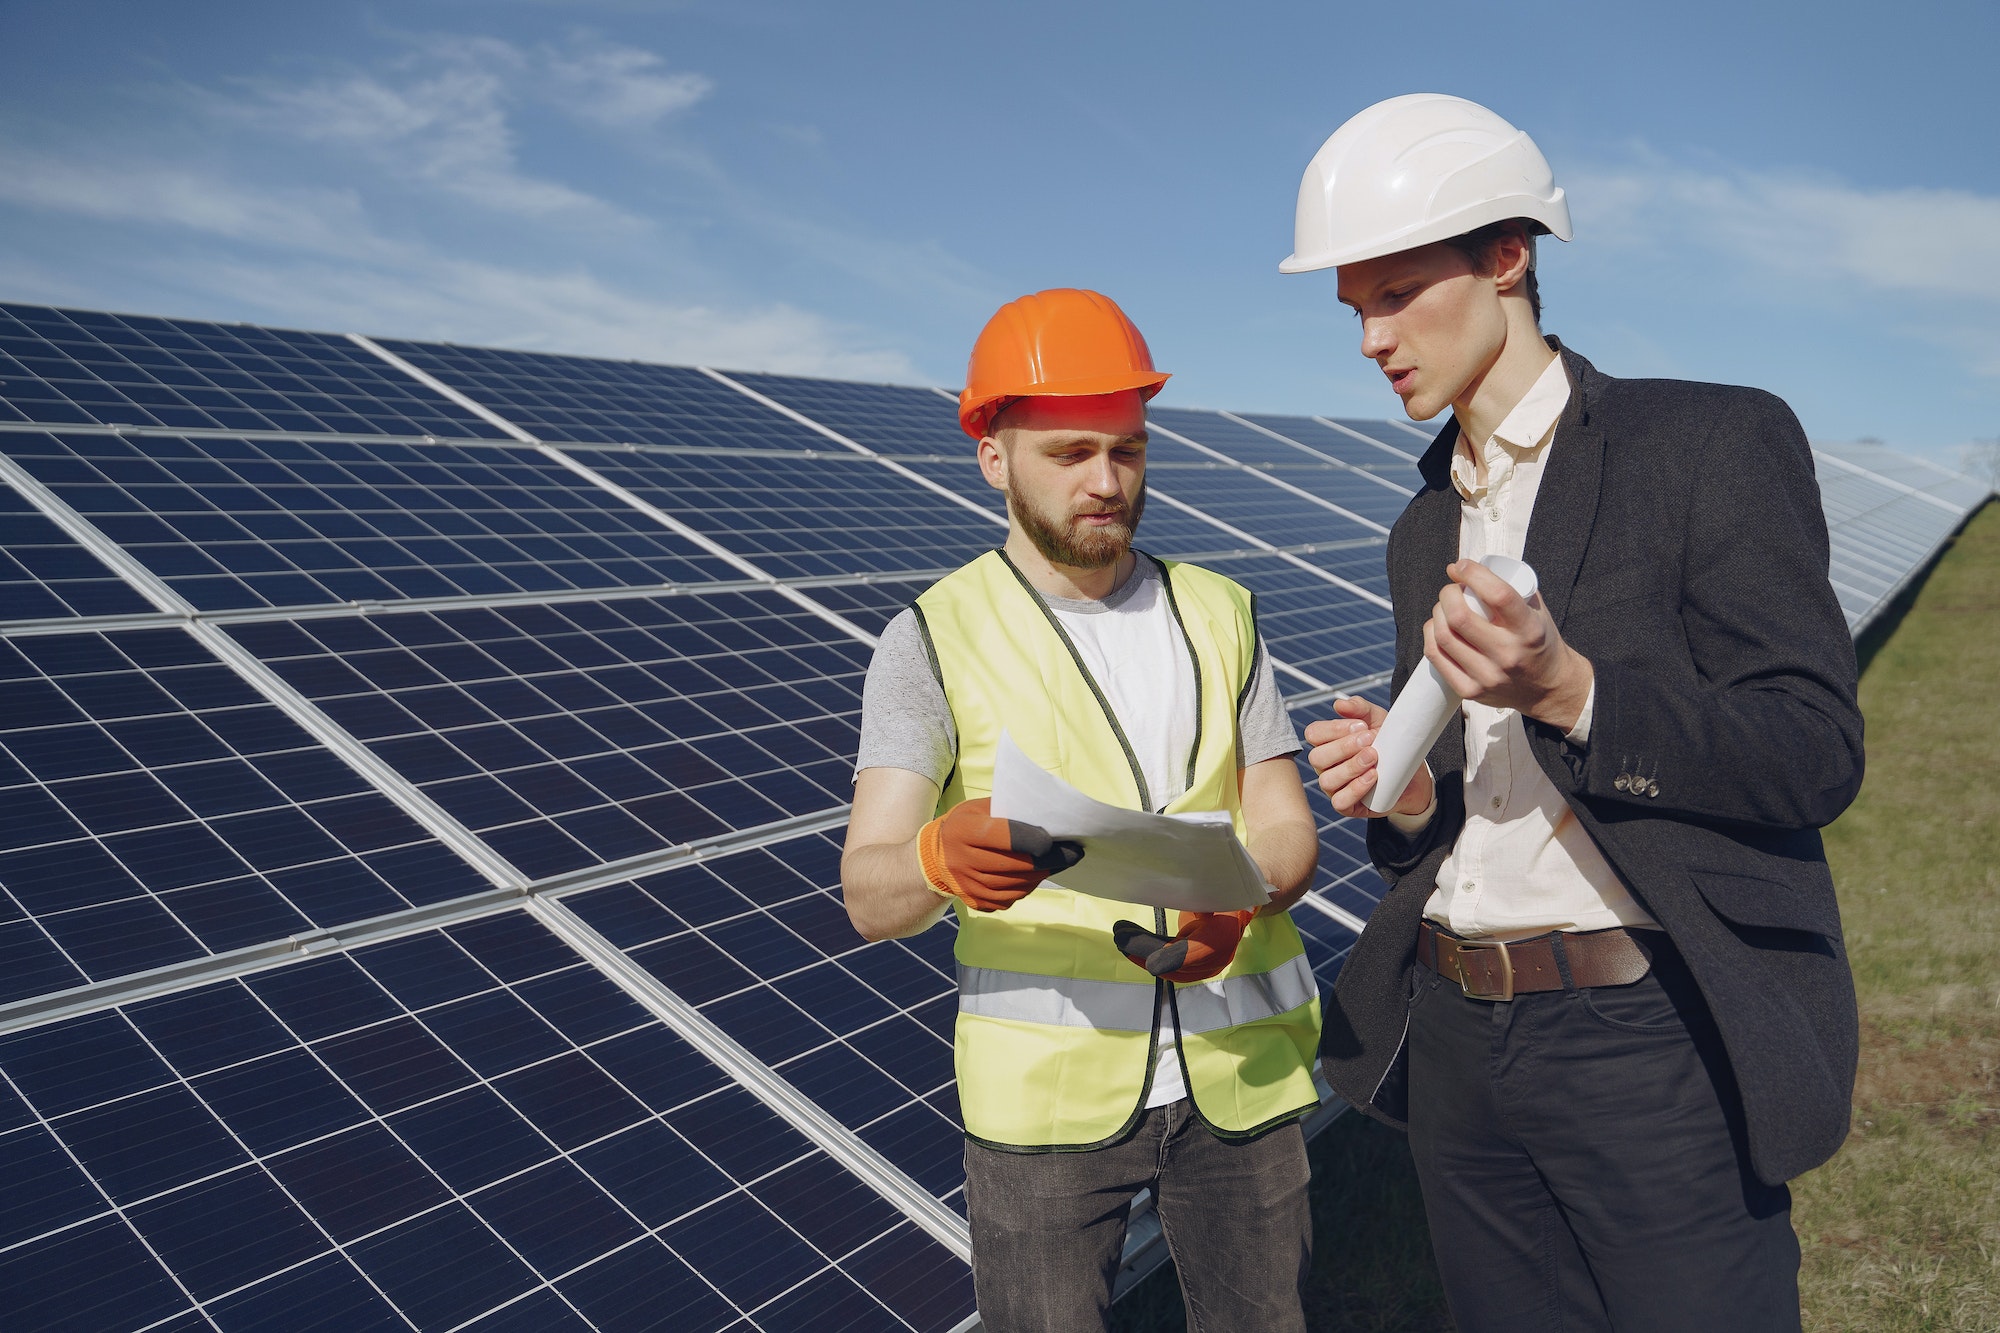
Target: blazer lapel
[1566,505]
[1431,540]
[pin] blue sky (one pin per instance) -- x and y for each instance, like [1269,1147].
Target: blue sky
[1804,197]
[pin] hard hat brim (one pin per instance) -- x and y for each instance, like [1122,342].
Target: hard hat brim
[1552,213]
[1147,381]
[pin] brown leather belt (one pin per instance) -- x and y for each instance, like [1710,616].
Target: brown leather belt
[1492,970]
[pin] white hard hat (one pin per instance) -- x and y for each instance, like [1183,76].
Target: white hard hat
[1416,169]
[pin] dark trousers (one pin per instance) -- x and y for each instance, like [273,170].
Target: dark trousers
[1584,1165]
[1048,1228]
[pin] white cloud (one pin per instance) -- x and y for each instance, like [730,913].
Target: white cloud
[312,258]
[322,221]
[620,86]
[442,115]
[567,311]
[1923,242]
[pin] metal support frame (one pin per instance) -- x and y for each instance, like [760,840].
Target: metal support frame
[1354,686]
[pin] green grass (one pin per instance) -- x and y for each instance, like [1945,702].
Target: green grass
[1901,1230]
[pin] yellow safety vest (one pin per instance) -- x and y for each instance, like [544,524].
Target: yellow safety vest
[1055,1034]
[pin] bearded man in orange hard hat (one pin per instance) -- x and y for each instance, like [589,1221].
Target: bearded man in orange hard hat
[1096,1056]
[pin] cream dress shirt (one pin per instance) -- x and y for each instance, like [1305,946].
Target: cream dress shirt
[1522,864]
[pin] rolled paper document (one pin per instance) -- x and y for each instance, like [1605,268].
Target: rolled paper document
[1419,715]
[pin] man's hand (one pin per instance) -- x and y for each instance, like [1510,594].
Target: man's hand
[1204,946]
[1513,657]
[986,863]
[1343,755]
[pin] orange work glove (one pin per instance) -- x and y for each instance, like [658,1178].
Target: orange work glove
[986,863]
[1205,944]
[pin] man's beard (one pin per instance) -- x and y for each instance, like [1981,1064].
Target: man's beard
[1060,541]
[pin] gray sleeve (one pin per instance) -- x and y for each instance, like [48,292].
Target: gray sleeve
[1264,727]
[905,721]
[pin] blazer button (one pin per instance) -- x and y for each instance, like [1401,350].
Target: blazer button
[1653,787]
[1622,782]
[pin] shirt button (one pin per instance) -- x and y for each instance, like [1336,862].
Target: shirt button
[1496,802]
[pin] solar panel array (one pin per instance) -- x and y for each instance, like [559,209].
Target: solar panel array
[425,770]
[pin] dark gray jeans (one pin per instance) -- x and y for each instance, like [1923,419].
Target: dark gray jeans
[1048,1228]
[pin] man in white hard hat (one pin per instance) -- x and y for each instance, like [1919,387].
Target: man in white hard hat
[1606,991]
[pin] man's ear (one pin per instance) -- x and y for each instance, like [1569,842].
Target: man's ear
[1512,254]
[993,462]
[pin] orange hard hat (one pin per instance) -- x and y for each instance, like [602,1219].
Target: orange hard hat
[1064,341]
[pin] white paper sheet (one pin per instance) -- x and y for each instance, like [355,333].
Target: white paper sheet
[1188,863]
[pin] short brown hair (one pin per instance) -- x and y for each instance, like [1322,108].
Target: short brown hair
[1477,246]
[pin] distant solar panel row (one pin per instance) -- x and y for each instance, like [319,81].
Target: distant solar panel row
[489,1124]
[73,366]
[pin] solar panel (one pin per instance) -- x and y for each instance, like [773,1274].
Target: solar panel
[760,944]
[587,400]
[229,522]
[579,733]
[1392,458]
[81,366]
[461,1124]
[1313,627]
[806,517]
[155,808]
[438,925]
[1358,491]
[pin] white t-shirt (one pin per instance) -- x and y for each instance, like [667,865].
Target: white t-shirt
[1135,651]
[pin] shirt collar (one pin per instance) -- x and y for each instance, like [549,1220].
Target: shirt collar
[1525,430]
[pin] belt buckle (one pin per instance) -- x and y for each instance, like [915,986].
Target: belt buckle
[1506,991]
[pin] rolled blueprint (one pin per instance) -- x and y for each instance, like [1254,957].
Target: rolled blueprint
[1426,704]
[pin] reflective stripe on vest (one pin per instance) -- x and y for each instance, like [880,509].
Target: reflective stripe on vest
[1116,1006]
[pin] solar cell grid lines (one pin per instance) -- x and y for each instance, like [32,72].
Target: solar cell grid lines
[889,418]
[45,573]
[761,944]
[230,523]
[156,808]
[81,366]
[1360,492]
[585,400]
[579,733]
[461,1122]
[1312,625]
[806,517]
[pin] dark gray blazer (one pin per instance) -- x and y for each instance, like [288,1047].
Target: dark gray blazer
[1681,547]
